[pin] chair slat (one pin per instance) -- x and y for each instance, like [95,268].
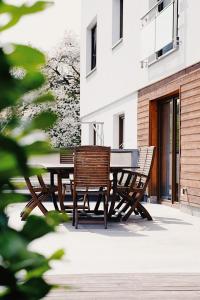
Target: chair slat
[67,156]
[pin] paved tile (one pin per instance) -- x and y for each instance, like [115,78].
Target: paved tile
[168,244]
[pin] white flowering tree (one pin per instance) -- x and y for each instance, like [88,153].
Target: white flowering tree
[63,73]
[63,80]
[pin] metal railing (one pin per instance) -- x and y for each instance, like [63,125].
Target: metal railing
[151,16]
[154,11]
[98,127]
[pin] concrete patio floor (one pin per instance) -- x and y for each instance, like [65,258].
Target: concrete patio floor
[168,244]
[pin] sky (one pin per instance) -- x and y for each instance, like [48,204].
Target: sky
[46,29]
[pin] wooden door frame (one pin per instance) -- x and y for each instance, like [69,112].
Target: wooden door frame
[154,186]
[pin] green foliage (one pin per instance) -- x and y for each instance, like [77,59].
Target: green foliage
[15,13]
[21,271]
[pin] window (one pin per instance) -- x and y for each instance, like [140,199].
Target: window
[118,21]
[163,4]
[121,131]
[94,134]
[93,47]
[121,18]
[165,50]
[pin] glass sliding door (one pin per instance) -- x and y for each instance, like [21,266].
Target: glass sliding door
[169,149]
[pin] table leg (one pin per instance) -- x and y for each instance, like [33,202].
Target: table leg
[114,196]
[53,195]
[60,192]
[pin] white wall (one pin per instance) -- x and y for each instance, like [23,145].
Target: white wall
[109,115]
[118,69]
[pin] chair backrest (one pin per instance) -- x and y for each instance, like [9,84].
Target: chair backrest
[145,160]
[67,156]
[92,166]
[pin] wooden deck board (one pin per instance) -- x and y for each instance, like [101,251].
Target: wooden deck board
[126,286]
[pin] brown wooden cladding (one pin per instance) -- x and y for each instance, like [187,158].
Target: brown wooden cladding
[187,84]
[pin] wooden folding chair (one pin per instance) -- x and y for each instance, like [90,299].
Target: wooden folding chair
[91,172]
[132,187]
[66,157]
[40,192]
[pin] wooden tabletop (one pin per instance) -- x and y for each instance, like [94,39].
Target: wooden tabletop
[71,166]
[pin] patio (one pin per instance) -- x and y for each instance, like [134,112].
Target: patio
[125,254]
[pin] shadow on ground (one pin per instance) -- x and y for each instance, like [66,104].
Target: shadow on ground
[136,226]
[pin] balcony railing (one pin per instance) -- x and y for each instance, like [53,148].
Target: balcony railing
[98,128]
[159,31]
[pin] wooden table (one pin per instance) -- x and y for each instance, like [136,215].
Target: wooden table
[58,169]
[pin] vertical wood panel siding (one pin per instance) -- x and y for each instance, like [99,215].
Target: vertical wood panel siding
[190,141]
[187,84]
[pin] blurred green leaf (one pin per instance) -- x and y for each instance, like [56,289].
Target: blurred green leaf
[36,170]
[27,57]
[10,198]
[39,148]
[12,148]
[8,161]
[28,261]
[36,227]
[55,218]
[11,244]
[20,73]
[57,255]
[6,277]
[11,124]
[36,287]
[3,222]
[16,12]
[44,98]
[37,272]
[43,120]
[32,81]
[8,85]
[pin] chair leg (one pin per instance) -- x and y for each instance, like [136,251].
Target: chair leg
[136,212]
[74,208]
[27,206]
[33,203]
[42,208]
[144,212]
[98,202]
[86,203]
[28,210]
[53,197]
[73,218]
[130,211]
[105,204]
[124,209]
[76,218]
[119,204]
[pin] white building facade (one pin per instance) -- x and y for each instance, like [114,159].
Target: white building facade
[109,90]
[140,86]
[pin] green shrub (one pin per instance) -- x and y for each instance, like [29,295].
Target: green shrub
[21,271]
